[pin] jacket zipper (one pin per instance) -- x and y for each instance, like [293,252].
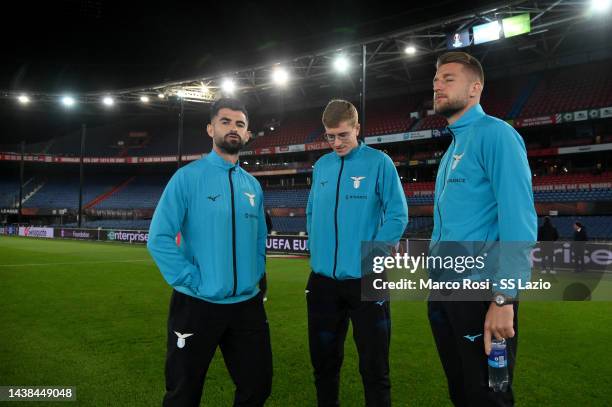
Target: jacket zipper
[336,216]
[233,232]
[444,185]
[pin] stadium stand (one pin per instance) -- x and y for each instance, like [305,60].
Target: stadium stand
[289,224]
[418,225]
[552,92]
[295,129]
[142,192]
[9,189]
[274,166]
[563,188]
[296,224]
[504,98]
[430,122]
[62,192]
[390,116]
[597,227]
[574,196]
[59,193]
[570,89]
[286,198]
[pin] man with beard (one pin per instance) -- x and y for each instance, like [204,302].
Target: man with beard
[483,194]
[218,209]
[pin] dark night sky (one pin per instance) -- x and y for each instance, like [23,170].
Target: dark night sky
[75,46]
[87,45]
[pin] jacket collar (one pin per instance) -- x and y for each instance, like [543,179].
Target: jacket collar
[468,118]
[353,153]
[216,160]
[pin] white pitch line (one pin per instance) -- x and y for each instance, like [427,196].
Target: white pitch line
[71,263]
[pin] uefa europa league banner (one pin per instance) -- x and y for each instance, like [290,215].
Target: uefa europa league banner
[287,244]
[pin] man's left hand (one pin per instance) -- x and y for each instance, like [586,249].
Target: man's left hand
[499,323]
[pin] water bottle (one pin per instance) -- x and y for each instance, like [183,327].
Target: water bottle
[498,365]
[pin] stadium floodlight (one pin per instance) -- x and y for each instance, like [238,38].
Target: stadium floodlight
[68,101]
[280,76]
[228,85]
[23,99]
[341,64]
[600,5]
[410,50]
[108,101]
[271,128]
[245,162]
[161,95]
[144,99]
[180,94]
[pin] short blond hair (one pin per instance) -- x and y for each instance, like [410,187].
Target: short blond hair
[338,111]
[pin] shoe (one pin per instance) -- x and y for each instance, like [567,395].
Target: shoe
[553,272]
[543,272]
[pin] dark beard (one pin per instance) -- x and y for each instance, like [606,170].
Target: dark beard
[228,147]
[450,109]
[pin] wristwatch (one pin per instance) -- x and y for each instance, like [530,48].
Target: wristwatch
[501,299]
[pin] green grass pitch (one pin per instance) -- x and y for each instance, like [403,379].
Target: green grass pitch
[93,315]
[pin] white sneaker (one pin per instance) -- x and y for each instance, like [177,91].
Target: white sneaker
[553,272]
[543,272]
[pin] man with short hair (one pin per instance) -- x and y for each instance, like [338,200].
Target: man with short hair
[356,196]
[483,193]
[218,209]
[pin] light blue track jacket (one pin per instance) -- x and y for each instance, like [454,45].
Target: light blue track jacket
[483,192]
[218,208]
[355,198]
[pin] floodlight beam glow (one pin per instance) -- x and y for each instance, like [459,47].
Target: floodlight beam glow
[341,64]
[228,86]
[68,101]
[280,76]
[600,5]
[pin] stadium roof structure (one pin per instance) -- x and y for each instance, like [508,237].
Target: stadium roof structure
[561,32]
